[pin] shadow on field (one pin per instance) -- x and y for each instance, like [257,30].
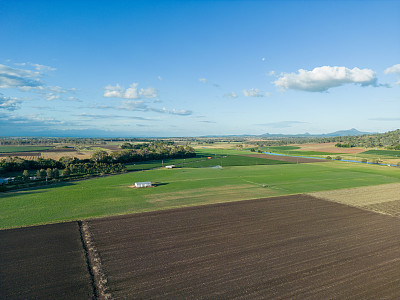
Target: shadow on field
[159,183]
[35,189]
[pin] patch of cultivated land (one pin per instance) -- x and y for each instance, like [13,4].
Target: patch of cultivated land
[43,262]
[383,198]
[330,147]
[290,247]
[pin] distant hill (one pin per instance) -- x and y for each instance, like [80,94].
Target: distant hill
[349,132]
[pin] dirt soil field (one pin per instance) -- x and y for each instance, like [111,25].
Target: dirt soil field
[329,147]
[300,160]
[43,262]
[291,247]
[384,198]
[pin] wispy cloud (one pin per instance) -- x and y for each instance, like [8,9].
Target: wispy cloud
[140,105]
[30,81]
[18,78]
[282,124]
[8,103]
[203,80]
[254,93]
[132,92]
[385,119]
[38,67]
[395,69]
[231,95]
[105,117]
[323,78]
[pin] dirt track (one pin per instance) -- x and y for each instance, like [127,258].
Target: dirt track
[300,160]
[285,247]
[43,262]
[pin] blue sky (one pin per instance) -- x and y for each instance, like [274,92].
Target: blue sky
[191,68]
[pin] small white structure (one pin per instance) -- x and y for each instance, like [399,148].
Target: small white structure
[170,167]
[143,184]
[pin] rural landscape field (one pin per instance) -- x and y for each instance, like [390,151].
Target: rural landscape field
[230,222]
[199,149]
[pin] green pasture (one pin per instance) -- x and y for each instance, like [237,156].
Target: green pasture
[392,153]
[203,162]
[12,149]
[302,153]
[113,195]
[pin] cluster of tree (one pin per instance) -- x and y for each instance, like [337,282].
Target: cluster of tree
[93,168]
[340,145]
[99,159]
[144,152]
[10,164]
[389,140]
[43,174]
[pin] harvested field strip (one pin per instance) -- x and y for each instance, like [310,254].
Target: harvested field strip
[43,262]
[383,198]
[284,247]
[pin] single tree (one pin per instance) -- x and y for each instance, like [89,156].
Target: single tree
[25,175]
[49,173]
[66,172]
[56,173]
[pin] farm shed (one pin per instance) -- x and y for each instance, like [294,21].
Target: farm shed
[143,184]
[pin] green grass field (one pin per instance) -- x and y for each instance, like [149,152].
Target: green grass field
[203,162]
[12,149]
[392,153]
[181,187]
[302,153]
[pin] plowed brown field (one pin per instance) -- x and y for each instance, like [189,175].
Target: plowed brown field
[290,247]
[43,262]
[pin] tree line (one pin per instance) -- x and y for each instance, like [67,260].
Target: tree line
[101,161]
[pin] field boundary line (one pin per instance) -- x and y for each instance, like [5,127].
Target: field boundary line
[99,280]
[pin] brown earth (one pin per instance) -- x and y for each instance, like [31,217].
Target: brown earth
[329,147]
[290,247]
[300,160]
[43,262]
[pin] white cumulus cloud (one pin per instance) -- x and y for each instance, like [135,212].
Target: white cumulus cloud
[118,91]
[323,78]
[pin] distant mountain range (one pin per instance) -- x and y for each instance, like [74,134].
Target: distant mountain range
[349,132]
